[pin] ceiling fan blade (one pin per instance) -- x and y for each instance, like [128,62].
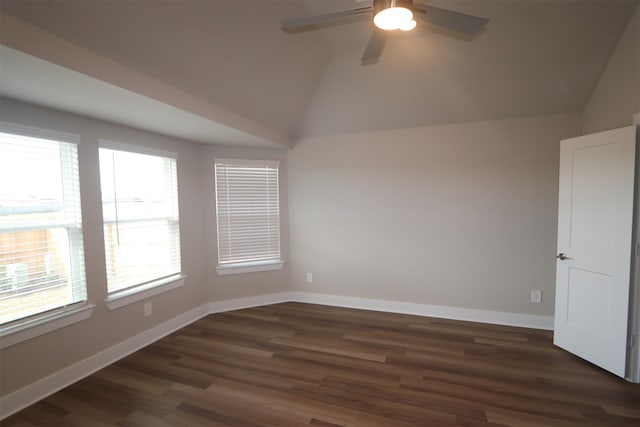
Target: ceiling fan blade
[456,21]
[295,23]
[374,47]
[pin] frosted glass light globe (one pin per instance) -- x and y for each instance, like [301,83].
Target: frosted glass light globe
[409,25]
[392,18]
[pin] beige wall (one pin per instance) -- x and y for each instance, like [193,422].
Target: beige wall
[459,215]
[616,97]
[24,363]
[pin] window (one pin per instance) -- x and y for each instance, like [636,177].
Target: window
[247,207]
[140,213]
[41,247]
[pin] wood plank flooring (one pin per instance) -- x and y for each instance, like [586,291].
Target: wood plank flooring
[300,364]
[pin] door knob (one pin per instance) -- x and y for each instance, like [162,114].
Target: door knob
[562,256]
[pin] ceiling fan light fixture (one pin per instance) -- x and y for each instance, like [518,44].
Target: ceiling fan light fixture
[393,14]
[393,18]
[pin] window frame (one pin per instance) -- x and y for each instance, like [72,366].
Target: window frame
[143,290]
[19,330]
[237,267]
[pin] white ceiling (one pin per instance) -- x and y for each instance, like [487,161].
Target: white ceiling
[534,58]
[227,63]
[34,80]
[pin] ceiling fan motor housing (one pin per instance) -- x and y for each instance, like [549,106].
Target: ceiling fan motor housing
[379,5]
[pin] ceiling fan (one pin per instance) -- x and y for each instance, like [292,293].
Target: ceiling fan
[391,15]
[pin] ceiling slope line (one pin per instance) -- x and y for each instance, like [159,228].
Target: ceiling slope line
[227,128]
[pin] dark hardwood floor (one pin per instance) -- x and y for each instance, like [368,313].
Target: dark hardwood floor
[300,364]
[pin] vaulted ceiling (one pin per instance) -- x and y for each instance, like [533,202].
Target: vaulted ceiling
[223,71]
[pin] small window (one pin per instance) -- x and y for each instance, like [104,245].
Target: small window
[41,247]
[140,214]
[248,215]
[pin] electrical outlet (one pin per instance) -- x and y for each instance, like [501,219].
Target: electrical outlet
[536,295]
[309,277]
[148,309]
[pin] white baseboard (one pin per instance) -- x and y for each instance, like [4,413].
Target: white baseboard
[34,392]
[443,312]
[248,302]
[455,313]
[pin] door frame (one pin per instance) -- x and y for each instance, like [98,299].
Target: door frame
[633,343]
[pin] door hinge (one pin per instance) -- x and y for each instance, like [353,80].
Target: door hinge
[637,248]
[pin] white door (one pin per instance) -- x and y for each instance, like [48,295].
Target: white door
[594,246]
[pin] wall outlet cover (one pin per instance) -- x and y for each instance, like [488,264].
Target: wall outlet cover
[536,295]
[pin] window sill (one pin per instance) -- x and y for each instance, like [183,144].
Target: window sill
[249,267]
[129,296]
[24,331]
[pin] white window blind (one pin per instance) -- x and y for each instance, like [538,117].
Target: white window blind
[41,248]
[248,212]
[140,214]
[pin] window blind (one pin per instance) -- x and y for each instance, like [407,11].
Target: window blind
[41,246]
[140,215]
[248,212]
